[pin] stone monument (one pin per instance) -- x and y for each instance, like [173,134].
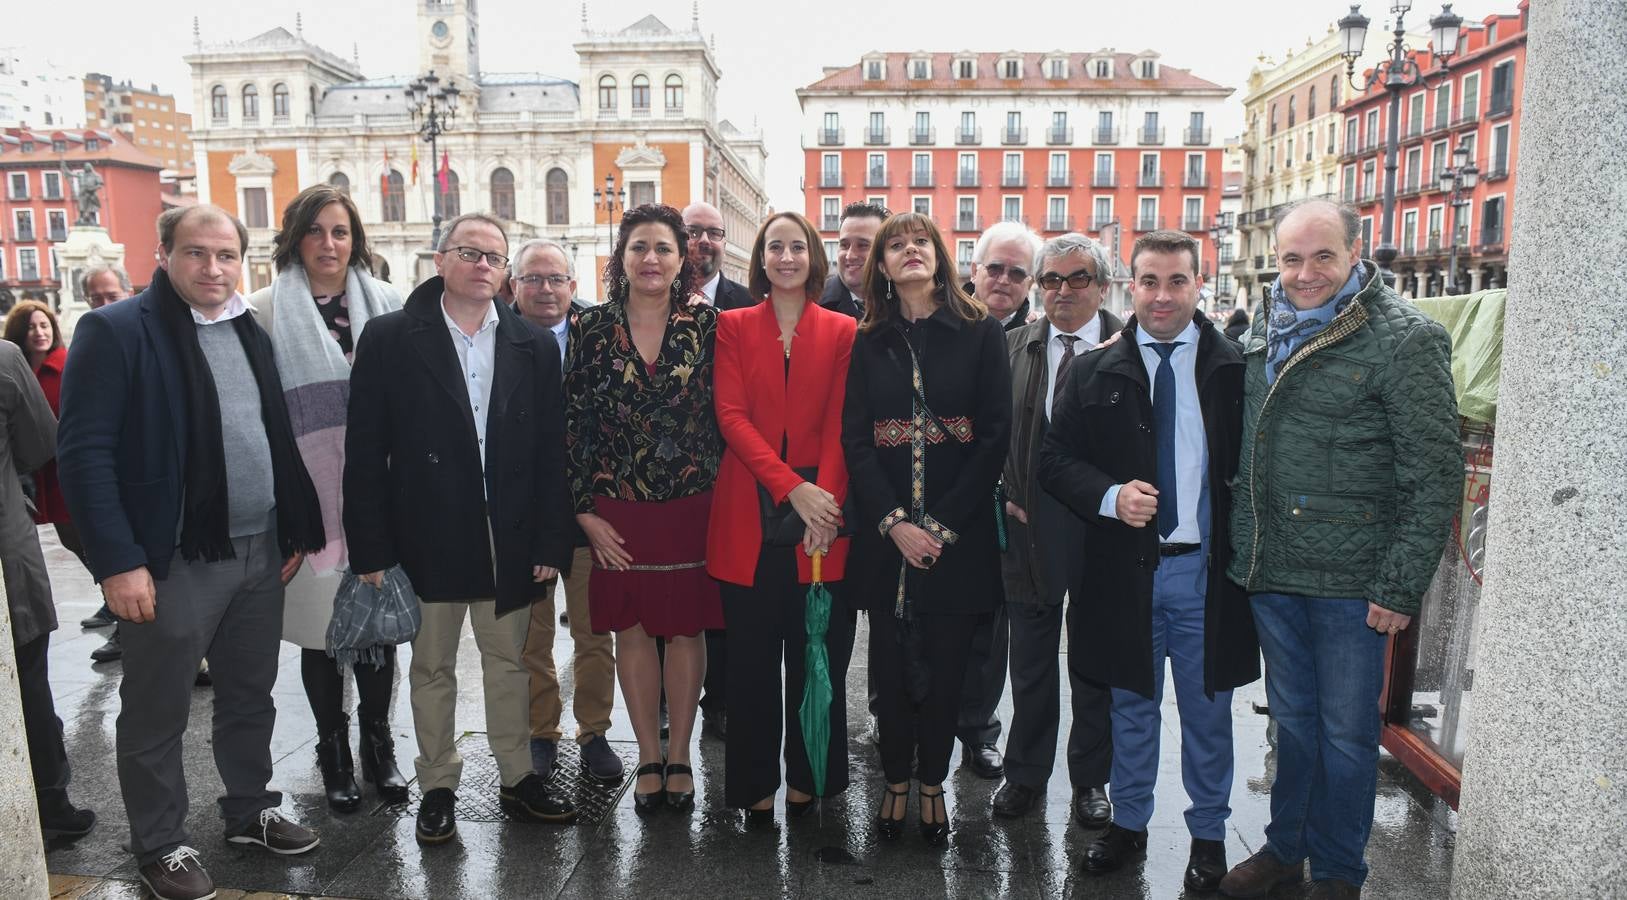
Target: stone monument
[88,245]
[1544,802]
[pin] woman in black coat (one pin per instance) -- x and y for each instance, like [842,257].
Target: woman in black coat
[925,428]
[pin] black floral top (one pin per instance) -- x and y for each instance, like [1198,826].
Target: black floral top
[631,434]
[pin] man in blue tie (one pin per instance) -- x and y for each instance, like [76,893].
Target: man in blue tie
[1143,443]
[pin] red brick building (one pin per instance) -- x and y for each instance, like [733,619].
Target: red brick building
[1107,143]
[1474,103]
[37,204]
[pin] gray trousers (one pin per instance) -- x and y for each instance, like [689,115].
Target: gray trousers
[979,720]
[231,612]
[1036,637]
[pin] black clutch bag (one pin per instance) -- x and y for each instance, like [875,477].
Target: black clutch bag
[782,527]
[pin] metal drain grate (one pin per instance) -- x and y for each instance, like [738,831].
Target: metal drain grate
[477,789]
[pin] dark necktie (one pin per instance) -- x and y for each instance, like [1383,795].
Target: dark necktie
[1163,417]
[1068,340]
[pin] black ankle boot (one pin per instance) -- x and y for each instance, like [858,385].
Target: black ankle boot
[338,771]
[378,761]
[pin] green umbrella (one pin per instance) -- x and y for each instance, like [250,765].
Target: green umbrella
[816,690]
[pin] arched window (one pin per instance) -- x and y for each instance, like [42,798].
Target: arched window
[641,94]
[1310,103]
[217,103]
[251,104]
[1292,117]
[675,93]
[395,198]
[559,200]
[448,201]
[279,102]
[1333,93]
[502,194]
[607,93]
[341,181]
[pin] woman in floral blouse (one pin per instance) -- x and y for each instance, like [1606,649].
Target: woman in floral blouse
[644,451]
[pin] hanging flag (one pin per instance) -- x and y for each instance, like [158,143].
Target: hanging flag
[414,162]
[445,173]
[384,179]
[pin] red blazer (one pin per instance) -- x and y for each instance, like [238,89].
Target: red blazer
[757,404]
[47,493]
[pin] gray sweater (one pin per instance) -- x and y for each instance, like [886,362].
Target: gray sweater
[250,495]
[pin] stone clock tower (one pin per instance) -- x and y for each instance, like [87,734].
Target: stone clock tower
[449,38]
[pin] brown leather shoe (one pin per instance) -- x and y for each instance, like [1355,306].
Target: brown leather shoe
[178,876]
[1333,889]
[1257,875]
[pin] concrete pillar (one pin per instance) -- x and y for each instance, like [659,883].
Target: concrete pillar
[1474,278]
[22,854]
[1544,802]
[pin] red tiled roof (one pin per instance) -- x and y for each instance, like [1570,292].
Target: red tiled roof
[850,78]
[114,148]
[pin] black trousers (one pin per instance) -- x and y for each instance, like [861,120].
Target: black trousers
[715,690]
[48,757]
[1036,634]
[921,732]
[767,628]
[979,720]
[325,688]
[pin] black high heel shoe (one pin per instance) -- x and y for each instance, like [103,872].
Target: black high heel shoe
[935,833]
[649,803]
[890,829]
[796,809]
[682,801]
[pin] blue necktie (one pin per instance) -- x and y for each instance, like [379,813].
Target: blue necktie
[1163,418]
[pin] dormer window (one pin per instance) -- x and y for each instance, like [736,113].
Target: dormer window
[965,68]
[1011,67]
[920,69]
[1147,68]
[875,69]
[1056,67]
[1101,68]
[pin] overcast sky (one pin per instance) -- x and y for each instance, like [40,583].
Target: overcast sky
[766,50]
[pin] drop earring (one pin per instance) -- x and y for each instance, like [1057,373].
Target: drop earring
[889,289]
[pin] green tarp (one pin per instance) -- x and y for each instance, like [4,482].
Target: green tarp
[1475,324]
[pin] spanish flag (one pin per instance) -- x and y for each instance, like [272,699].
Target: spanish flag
[446,172]
[414,162]
[384,179]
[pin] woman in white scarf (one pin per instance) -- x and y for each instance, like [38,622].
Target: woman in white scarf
[315,312]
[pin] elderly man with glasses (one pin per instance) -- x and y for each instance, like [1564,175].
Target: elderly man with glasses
[1043,562]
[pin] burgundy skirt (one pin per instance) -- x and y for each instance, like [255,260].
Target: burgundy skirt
[667,591]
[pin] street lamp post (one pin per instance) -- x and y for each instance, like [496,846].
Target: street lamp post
[436,105]
[609,198]
[1457,181]
[1398,73]
[1218,231]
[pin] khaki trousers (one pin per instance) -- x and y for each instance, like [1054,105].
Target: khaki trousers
[434,683]
[593,661]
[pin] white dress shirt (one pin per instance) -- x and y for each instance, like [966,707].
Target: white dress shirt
[710,287]
[235,306]
[561,332]
[1191,450]
[1089,336]
[477,356]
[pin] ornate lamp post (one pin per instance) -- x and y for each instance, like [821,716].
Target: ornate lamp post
[1457,181]
[609,199]
[1398,73]
[1219,230]
[433,107]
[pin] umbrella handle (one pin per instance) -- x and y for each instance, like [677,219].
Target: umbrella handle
[818,558]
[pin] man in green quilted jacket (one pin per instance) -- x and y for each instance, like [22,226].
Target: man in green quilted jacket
[1350,472]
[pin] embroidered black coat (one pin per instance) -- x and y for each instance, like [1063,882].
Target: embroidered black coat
[967,382]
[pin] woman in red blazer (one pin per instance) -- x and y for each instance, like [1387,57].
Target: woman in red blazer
[781,373]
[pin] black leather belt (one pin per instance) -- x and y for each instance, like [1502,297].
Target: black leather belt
[1177,549]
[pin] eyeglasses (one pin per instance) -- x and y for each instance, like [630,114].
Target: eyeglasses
[1079,280]
[539,280]
[695,233]
[100,299]
[470,254]
[1013,274]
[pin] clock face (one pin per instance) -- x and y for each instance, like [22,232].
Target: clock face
[440,30]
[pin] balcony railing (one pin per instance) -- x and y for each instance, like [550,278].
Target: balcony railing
[25,236]
[1227,257]
[1014,136]
[1259,261]
[27,273]
[875,178]
[1413,131]
[1059,223]
[920,179]
[969,135]
[1056,135]
[1150,179]
[920,136]
[832,137]
[1462,117]
[1054,178]
[1193,224]
[1104,136]
[964,222]
[1195,180]
[1149,223]
[1195,137]
[965,178]
[1497,171]
[878,135]
[1148,136]
[830,223]
[59,233]
[1102,179]
[1490,243]
[1013,180]
[1409,185]
[1368,194]
[1502,104]
[830,179]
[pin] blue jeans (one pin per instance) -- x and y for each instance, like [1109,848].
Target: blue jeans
[1324,669]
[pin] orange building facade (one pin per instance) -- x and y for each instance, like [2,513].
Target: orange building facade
[1474,103]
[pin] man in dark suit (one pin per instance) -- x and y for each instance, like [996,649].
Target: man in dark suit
[1042,561]
[706,248]
[844,292]
[1143,447]
[544,285]
[455,470]
[179,466]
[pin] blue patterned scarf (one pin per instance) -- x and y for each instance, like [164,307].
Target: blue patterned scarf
[1289,326]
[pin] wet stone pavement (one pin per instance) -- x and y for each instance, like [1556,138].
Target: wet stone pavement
[614,853]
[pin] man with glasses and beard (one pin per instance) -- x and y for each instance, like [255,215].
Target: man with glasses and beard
[706,248]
